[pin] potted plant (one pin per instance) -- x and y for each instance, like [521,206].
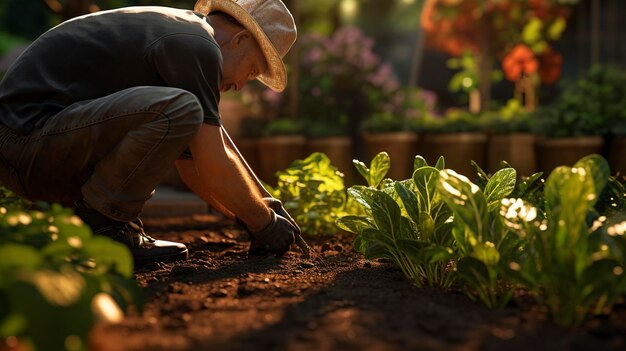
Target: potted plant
[396,132]
[459,136]
[510,139]
[333,141]
[342,81]
[614,106]
[574,125]
[281,143]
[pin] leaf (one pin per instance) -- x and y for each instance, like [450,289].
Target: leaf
[386,213]
[360,194]
[407,229]
[465,199]
[15,257]
[526,184]
[362,169]
[500,185]
[570,192]
[111,254]
[359,244]
[483,178]
[55,305]
[413,249]
[377,251]
[379,167]
[426,226]
[486,253]
[598,168]
[419,162]
[354,224]
[71,226]
[425,180]
[441,163]
[424,252]
[569,196]
[473,271]
[372,236]
[435,253]
[409,200]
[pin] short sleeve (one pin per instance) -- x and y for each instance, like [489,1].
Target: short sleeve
[194,63]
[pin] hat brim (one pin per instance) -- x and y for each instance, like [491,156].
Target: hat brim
[276,75]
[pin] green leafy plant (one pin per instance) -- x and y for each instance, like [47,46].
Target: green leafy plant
[588,106]
[9,200]
[379,166]
[283,126]
[568,264]
[404,221]
[482,240]
[57,279]
[313,192]
[456,121]
[511,118]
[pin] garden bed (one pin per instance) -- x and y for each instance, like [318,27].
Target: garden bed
[222,299]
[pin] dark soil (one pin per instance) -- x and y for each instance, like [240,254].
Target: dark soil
[223,299]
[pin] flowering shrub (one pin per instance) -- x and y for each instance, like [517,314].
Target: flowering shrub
[343,80]
[410,108]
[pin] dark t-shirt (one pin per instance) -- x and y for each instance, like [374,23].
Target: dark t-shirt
[96,55]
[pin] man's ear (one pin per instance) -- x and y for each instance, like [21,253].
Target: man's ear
[240,37]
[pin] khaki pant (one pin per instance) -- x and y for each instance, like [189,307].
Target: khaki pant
[111,151]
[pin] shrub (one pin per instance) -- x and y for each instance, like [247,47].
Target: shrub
[313,192]
[57,279]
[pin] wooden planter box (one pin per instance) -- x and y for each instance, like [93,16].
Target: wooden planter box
[554,152]
[458,149]
[401,147]
[276,154]
[339,151]
[518,149]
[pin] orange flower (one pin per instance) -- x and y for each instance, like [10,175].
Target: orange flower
[550,66]
[521,60]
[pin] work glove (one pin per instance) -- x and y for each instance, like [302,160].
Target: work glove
[275,238]
[277,206]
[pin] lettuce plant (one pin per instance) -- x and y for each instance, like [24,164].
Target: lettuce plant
[404,221]
[57,280]
[568,263]
[313,192]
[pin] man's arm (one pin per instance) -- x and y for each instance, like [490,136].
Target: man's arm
[189,175]
[223,178]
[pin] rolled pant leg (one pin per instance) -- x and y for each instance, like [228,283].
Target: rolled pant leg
[112,151]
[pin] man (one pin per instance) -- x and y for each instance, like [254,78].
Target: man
[94,113]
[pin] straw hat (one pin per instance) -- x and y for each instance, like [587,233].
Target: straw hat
[271,24]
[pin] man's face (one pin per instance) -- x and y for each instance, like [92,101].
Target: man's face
[243,61]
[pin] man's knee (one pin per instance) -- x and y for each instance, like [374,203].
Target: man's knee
[185,110]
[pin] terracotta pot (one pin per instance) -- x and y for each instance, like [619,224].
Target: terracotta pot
[617,155]
[458,149]
[249,148]
[518,149]
[339,151]
[276,154]
[401,148]
[554,152]
[233,111]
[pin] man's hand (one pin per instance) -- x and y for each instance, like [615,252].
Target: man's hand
[276,238]
[277,206]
